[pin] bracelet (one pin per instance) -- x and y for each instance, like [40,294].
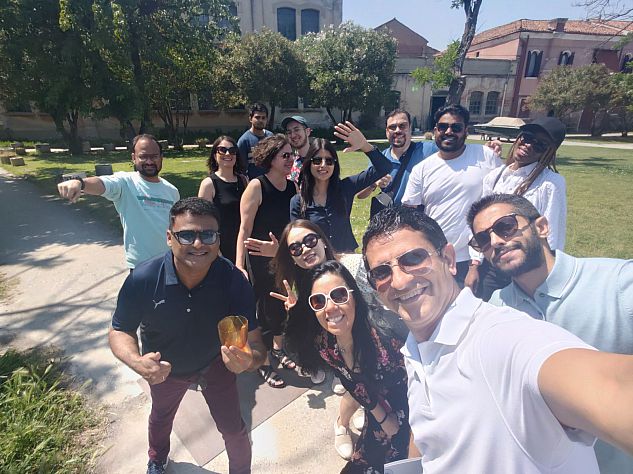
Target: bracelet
[83,184]
[383,420]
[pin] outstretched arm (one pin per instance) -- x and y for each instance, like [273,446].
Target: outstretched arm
[71,189]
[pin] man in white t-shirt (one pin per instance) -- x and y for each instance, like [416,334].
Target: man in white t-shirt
[141,198]
[449,181]
[490,389]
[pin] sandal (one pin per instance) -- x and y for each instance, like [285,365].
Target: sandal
[283,358]
[271,377]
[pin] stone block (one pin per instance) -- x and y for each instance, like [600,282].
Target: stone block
[17,161]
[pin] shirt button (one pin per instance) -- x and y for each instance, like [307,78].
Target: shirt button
[188,310]
[189,295]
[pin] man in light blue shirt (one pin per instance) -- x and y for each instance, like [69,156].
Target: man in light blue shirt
[590,297]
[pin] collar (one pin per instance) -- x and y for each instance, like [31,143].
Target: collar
[523,171]
[171,277]
[558,280]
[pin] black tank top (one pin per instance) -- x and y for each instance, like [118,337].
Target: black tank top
[227,200]
[274,211]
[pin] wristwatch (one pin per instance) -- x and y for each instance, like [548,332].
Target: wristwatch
[83,184]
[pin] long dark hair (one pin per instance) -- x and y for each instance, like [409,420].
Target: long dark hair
[307,180]
[212,162]
[303,327]
[546,160]
[283,265]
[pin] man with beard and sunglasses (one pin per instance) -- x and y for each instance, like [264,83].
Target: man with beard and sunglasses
[491,389]
[448,182]
[141,198]
[589,297]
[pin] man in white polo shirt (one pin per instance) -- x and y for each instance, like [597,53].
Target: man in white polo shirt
[491,389]
[449,181]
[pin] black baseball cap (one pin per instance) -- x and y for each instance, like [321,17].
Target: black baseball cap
[294,118]
[551,126]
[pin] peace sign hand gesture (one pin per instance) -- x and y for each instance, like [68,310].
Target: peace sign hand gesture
[289,301]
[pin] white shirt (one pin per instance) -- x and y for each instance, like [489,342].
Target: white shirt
[448,188]
[474,401]
[548,193]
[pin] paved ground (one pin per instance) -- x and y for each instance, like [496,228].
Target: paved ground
[67,269]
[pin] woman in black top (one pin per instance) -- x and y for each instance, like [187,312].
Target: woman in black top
[264,211]
[224,186]
[325,198]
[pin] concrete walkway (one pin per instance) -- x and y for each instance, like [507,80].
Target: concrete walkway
[66,270]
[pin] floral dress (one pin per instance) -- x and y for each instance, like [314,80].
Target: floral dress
[374,448]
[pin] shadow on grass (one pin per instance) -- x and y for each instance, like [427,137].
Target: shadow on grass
[618,165]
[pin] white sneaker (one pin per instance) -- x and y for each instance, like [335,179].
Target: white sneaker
[358,419]
[337,386]
[343,441]
[315,378]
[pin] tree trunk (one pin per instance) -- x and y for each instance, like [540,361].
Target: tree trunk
[471,9]
[271,116]
[71,136]
[331,115]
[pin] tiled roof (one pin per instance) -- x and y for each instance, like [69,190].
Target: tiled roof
[586,27]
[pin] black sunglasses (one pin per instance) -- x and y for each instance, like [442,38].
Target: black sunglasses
[505,227]
[456,127]
[222,150]
[318,160]
[536,144]
[310,241]
[414,262]
[338,295]
[188,237]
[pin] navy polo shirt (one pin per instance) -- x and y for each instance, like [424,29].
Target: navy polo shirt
[180,323]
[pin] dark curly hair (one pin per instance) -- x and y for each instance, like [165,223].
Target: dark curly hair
[212,162]
[266,150]
[303,328]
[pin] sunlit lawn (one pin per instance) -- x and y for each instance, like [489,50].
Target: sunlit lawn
[599,190]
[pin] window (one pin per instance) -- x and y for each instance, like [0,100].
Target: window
[492,103]
[627,64]
[392,101]
[286,23]
[20,106]
[205,100]
[309,21]
[533,63]
[566,58]
[180,101]
[474,104]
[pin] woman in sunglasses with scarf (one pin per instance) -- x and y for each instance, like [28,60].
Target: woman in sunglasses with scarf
[224,187]
[329,325]
[325,198]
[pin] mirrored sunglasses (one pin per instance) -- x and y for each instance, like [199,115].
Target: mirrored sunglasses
[309,241]
[338,295]
[456,127]
[414,262]
[188,237]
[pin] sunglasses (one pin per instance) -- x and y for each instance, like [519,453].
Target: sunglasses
[455,127]
[222,150]
[188,237]
[287,154]
[338,295]
[318,160]
[395,126]
[537,145]
[309,241]
[414,262]
[505,227]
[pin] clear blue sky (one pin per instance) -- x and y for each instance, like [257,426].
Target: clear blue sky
[439,24]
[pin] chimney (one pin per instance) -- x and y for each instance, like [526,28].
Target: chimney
[557,24]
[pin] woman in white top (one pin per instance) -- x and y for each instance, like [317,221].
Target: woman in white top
[531,172]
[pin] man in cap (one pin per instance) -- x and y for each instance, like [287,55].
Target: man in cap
[298,133]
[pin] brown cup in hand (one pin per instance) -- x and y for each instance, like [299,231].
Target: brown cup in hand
[233,331]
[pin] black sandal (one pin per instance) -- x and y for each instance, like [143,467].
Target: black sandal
[271,377]
[283,358]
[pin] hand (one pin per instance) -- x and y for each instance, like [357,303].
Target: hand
[289,301]
[495,145]
[390,426]
[472,278]
[383,182]
[70,189]
[235,359]
[263,248]
[349,133]
[153,369]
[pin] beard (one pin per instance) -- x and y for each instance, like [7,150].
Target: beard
[533,257]
[398,141]
[147,171]
[455,142]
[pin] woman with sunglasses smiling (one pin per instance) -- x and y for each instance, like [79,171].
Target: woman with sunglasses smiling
[330,326]
[264,212]
[224,187]
[325,198]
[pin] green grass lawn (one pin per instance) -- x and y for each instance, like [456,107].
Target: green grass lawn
[599,190]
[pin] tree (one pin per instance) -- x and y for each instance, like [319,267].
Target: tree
[569,89]
[47,66]
[442,73]
[607,9]
[621,104]
[349,67]
[262,67]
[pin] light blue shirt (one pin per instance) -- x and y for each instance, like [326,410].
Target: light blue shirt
[593,299]
[143,208]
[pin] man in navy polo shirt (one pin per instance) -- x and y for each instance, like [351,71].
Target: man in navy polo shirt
[177,301]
